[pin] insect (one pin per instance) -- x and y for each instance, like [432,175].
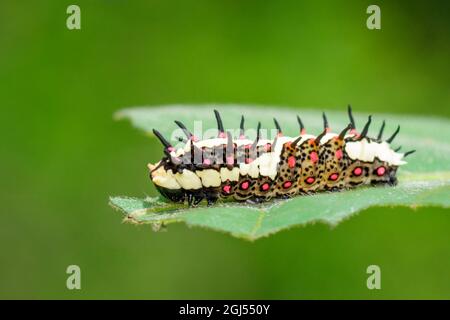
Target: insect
[259,170]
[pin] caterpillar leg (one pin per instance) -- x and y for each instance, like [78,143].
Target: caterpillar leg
[194,197]
[190,198]
[256,200]
[211,197]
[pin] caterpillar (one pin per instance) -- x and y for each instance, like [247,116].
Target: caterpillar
[260,170]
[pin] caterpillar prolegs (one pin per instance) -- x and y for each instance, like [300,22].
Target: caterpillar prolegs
[258,170]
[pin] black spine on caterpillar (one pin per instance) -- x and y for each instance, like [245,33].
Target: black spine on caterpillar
[259,170]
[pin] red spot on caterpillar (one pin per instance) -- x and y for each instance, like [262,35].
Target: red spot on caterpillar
[230,160]
[353,131]
[207,162]
[310,180]
[170,149]
[247,146]
[327,130]
[226,188]
[288,144]
[311,141]
[265,187]
[314,156]
[303,131]
[291,162]
[267,147]
[222,135]
[357,171]
[381,171]
[245,185]
[339,154]
[194,138]
[242,136]
[248,160]
[287,184]
[334,176]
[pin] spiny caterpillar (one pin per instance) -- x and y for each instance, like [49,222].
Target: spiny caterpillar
[259,170]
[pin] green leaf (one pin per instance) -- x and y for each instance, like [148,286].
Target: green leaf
[424,181]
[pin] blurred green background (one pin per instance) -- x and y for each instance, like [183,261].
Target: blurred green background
[62,154]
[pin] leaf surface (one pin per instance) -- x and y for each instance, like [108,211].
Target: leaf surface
[424,181]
